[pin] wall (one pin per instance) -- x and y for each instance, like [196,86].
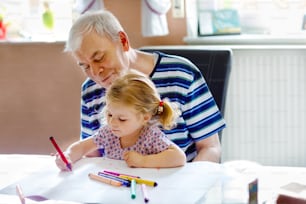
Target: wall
[40,85]
[129,14]
[40,97]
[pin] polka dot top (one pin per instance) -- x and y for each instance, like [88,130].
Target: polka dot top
[151,141]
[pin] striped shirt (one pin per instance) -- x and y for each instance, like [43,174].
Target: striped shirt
[178,80]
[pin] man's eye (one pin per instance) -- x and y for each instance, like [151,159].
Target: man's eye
[98,59]
[84,67]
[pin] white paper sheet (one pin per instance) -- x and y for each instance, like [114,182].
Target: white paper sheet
[187,184]
[14,199]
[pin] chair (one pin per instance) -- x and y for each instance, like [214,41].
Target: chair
[214,63]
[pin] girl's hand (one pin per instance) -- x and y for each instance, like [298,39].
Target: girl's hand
[60,163]
[133,159]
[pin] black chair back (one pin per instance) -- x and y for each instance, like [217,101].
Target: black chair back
[215,65]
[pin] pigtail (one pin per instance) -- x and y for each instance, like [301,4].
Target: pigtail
[167,114]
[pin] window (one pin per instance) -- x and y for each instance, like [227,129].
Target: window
[24,19]
[265,16]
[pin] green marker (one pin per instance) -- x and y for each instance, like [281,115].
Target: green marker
[133,189]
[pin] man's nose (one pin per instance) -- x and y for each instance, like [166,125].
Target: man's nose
[95,69]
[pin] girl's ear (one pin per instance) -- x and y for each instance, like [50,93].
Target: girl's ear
[147,117]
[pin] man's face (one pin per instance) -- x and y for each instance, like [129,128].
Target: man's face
[101,59]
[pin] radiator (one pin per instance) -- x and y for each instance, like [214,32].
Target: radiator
[265,107]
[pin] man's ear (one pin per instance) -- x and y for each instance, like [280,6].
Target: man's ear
[124,40]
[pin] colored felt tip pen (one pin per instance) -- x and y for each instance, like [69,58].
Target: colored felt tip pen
[133,189]
[144,193]
[124,182]
[139,180]
[60,153]
[118,174]
[104,180]
[20,194]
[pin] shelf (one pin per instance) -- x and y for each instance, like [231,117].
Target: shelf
[246,39]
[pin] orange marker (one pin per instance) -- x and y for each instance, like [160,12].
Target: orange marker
[104,179]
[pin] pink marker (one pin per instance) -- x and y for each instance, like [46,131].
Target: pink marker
[144,193]
[118,174]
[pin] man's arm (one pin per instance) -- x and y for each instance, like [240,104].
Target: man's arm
[208,149]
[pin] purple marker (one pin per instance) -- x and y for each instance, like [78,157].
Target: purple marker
[118,174]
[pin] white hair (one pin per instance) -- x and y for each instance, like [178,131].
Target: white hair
[102,22]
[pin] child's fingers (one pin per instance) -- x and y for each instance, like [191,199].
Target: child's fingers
[60,163]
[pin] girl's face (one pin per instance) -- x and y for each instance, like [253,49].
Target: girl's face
[124,120]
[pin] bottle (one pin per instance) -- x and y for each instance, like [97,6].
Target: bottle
[47,16]
[2,29]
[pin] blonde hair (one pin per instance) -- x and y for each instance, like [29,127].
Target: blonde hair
[138,91]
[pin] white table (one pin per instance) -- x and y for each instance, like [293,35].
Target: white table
[38,175]
[195,183]
[272,181]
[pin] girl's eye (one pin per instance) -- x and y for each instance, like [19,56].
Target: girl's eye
[109,115]
[122,120]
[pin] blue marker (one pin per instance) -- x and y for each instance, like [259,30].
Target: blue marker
[124,182]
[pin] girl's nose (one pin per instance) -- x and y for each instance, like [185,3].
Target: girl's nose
[112,122]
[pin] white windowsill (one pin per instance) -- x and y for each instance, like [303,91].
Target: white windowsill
[247,39]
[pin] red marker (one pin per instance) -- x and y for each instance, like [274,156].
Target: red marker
[60,153]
